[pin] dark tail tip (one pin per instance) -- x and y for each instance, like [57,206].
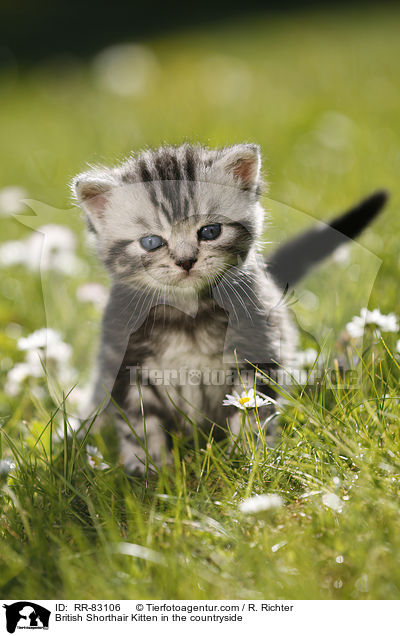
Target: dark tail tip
[355,220]
[292,260]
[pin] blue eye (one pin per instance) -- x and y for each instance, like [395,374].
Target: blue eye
[150,243]
[209,232]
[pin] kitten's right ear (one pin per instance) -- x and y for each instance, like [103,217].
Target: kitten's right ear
[92,193]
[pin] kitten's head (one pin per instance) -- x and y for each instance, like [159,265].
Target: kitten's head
[176,217]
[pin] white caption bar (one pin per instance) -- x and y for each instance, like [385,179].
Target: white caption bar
[217,617]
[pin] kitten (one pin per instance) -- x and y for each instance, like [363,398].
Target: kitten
[192,308]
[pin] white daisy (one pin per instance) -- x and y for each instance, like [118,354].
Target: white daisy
[6,466]
[355,328]
[332,501]
[46,341]
[260,503]
[19,373]
[386,323]
[95,458]
[41,346]
[374,318]
[306,359]
[11,200]
[39,339]
[51,247]
[92,293]
[73,425]
[12,253]
[247,400]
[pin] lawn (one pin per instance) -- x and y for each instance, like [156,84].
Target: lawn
[320,93]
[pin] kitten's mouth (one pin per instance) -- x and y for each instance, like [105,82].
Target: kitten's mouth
[197,279]
[187,278]
[185,275]
[194,280]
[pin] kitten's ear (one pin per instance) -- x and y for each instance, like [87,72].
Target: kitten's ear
[92,191]
[244,163]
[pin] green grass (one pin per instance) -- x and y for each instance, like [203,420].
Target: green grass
[294,80]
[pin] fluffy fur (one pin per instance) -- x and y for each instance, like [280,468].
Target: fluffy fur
[182,319]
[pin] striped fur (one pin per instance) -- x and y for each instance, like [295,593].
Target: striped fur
[226,311]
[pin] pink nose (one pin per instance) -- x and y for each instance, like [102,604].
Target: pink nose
[187,264]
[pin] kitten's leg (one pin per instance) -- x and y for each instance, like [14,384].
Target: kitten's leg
[268,419]
[97,408]
[140,450]
[149,437]
[268,414]
[264,432]
[94,410]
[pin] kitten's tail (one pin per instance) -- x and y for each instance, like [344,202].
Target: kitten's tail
[292,260]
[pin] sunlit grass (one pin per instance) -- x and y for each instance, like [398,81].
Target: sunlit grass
[336,535]
[320,93]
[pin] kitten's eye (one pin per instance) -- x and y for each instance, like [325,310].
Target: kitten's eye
[150,243]
[209,232]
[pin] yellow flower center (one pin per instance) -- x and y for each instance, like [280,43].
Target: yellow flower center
[243,400]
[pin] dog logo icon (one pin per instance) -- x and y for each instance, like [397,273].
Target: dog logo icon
[26,615]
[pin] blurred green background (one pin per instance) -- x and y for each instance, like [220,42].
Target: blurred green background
[319,90]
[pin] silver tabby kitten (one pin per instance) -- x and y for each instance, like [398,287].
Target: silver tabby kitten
[192,303]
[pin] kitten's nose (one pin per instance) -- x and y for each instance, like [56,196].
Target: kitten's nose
[187,264]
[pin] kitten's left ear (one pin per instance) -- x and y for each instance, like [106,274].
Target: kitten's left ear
[244,163]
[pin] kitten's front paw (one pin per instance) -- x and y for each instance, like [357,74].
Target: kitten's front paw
[137,466]
[134,467]
[137,455]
